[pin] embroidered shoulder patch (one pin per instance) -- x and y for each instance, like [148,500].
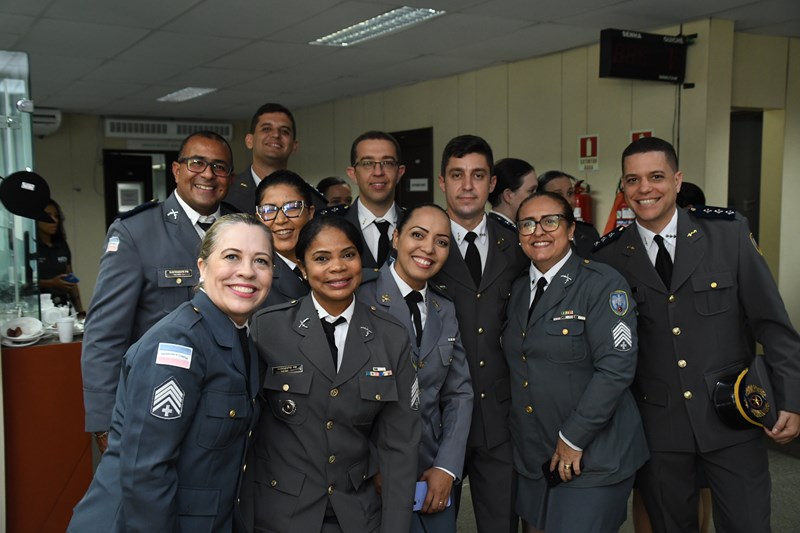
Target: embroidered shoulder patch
[174,355]
[618,301]
[167,400]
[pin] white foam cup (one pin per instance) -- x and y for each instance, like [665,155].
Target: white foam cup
[66,328]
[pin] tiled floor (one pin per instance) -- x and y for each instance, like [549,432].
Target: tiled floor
[785,471]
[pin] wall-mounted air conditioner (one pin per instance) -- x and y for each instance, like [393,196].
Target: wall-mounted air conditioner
[45,121]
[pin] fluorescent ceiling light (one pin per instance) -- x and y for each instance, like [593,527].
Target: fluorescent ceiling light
[389,22]
[187,93]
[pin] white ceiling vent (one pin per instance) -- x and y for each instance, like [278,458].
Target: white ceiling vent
[45,121]
[162,129]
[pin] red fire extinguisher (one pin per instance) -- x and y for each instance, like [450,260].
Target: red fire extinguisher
[583,202]
[621,213]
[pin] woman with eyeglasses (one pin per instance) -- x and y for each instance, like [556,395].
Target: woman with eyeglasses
[284,205]
[570,343]
[338,379]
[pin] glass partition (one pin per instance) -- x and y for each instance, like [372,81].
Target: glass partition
[18,282]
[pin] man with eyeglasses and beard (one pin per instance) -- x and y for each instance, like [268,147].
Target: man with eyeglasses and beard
[148,268]
[375,166]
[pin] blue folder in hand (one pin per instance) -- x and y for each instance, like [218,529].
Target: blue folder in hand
[421,492]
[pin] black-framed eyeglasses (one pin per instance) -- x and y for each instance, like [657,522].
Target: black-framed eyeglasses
[549,224]
[386,164]
[195,164]
[267,212]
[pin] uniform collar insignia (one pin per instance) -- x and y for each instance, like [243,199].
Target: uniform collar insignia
[385,298]
[303,323]
[173,214]
[366,330]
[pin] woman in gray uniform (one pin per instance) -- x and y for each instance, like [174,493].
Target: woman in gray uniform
[422,242]
[338,374]
[570,343]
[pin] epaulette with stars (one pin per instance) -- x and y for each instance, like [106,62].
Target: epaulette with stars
[339,210]
[709,211]
[609,237]
[503,222]
[139,208]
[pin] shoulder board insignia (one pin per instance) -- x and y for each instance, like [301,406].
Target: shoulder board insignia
[139,208]
[439,290]
[502,221]
[340,210]
[609,237]
[708,211]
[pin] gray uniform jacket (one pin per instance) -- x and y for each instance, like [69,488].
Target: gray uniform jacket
[286,285]
[367,259]
[571,366]
[442,371]
[179,432]
[722,297]
[148,268]
[313,438]
[481,312]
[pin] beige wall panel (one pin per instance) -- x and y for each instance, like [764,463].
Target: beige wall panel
[790,214]
[534,118]
[575,71]
[771,182]
[759,71]
[467,98]
[718,111]
[491,108]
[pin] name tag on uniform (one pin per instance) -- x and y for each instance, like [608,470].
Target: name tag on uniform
[178,273]
[287,369]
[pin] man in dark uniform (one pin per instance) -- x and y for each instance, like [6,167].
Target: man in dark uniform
[376,167]
[148,268]
[703,293]
[272,139]
[484,260]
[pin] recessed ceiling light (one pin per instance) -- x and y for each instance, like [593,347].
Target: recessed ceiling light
[187,93]
[389,22]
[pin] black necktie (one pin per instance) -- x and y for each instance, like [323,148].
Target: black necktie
[329,328]
[473,257]
[383,241]
[538,296]
[207,224]
[663,261]
[412,299]
[246,351]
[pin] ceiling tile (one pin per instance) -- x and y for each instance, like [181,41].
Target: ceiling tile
[177,49]
[78,39]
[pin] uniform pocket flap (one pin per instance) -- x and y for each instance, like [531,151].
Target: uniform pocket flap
[716,375]
[709,281]
[565,327]
[381,389]
[226,404]
[297,382]
[446,353]
[198,502]
[359,473]
[280,477]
